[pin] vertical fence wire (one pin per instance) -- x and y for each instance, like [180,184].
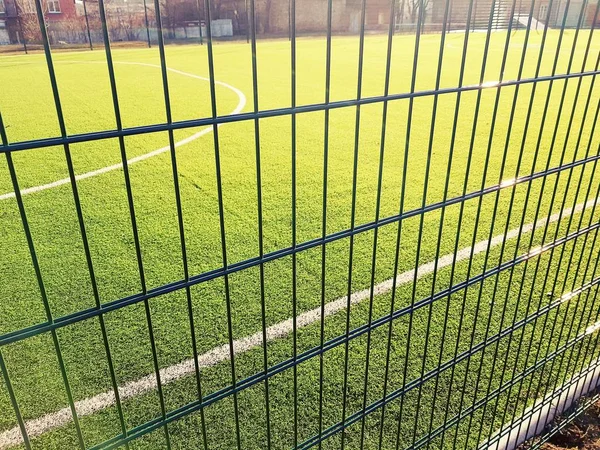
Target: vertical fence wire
[323,225]
[384,114]
[259,204]
[353,216]
[222,233]
[294,200]
[5,374]
[415,65]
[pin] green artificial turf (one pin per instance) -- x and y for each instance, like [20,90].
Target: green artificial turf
[467,317]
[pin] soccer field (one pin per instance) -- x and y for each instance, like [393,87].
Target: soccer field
[476,199]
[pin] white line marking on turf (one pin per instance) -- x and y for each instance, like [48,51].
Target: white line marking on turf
[187,140]
[513,45]
[91,405]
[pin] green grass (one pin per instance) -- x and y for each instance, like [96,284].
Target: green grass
[28,112]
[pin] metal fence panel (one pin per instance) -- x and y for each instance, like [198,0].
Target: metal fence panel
[490,299]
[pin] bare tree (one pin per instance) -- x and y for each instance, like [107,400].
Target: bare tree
[124,22]
[216,9]
[76,28]
[28,18]
[132,24]
[113,24]
[167,15]
[414,9]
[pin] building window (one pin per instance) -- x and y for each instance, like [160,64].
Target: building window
[2,7]
[53,6]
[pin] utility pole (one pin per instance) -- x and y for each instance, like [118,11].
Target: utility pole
[20,20]
[147,27]
[87,25]
[199,21]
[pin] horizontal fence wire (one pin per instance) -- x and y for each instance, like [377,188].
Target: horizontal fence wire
[217,120]
[488,310]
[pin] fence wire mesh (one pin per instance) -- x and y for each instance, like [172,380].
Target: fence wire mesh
[408,260]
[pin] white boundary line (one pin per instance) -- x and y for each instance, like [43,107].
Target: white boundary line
[91,405]
[513,45]
[240,106]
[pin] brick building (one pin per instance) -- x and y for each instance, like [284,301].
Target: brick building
[181,17]
[311,16]
[18,19]
[7,17]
